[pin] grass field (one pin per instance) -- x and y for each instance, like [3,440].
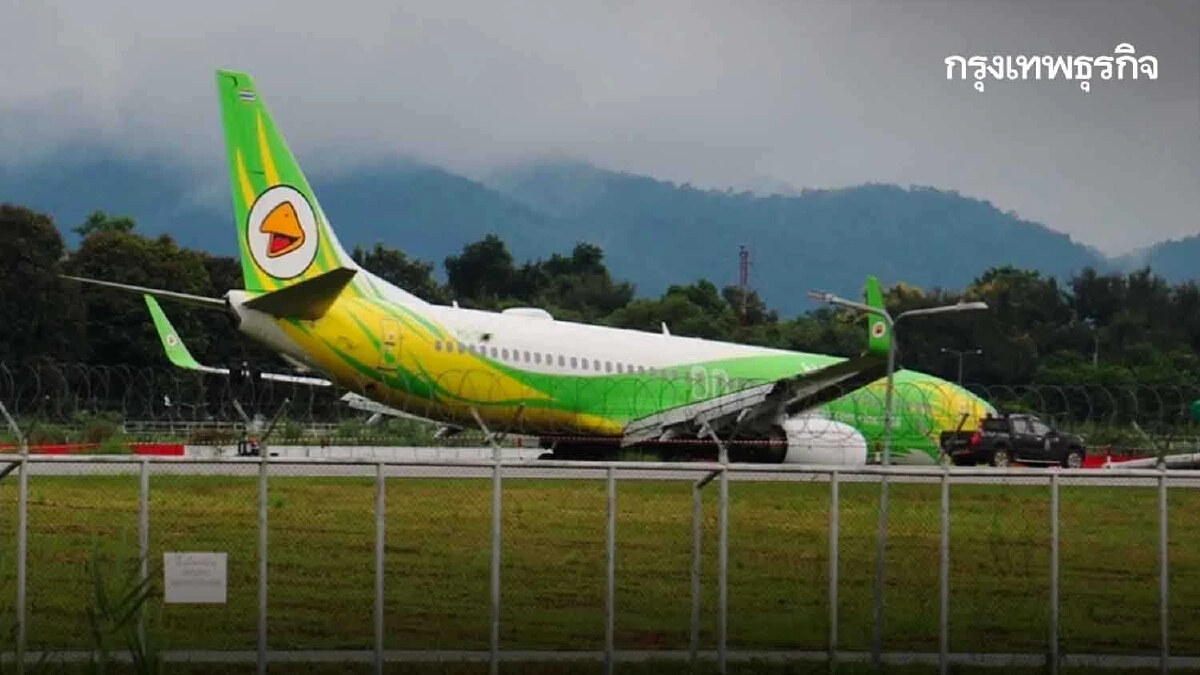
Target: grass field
[652,668]
[321,564]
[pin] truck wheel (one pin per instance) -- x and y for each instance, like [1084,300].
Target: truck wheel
[1073,459]
[1000,457]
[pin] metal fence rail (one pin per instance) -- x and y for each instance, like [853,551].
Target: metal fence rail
[383,561]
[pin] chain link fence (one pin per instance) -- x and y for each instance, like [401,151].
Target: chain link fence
[84,404]
[409,561]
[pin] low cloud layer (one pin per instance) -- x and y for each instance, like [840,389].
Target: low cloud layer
[813,94]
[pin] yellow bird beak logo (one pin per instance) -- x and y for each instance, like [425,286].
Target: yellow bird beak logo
[284,229]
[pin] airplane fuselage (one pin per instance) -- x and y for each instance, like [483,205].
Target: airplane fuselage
[525,372]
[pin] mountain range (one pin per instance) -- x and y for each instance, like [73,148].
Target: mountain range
[654,233]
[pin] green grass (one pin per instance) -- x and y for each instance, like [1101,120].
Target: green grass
[321,564]
[650,668]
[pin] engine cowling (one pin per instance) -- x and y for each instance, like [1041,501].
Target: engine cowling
[825,442]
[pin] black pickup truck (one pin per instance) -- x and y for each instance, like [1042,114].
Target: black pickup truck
[1022,438]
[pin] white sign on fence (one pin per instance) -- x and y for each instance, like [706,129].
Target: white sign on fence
[195,577]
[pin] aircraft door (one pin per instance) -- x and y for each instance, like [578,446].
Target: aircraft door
[389,358]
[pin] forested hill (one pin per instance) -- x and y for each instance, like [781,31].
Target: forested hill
[653,233]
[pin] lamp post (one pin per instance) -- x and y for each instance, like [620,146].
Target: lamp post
[960,353]
[891,363]
[877,642]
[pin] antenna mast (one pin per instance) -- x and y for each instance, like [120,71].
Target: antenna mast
[744,277]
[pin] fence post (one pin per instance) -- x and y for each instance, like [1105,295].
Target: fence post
[834,545]
[697,531]
[1054,573]
[1164,579]
[880,558]
[380,532]
[610,602]
[22,535]
[944,574]
[497,502]
[723,572]
[143,538]
[262,560]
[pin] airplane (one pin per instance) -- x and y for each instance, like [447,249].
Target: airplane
[587,391]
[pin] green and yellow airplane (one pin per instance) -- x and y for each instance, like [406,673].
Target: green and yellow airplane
[585,390]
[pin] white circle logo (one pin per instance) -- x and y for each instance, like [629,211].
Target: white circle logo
[282,233]
[172,340]
[877,329]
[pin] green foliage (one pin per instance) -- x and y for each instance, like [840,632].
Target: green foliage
[1088,330]
[113,615]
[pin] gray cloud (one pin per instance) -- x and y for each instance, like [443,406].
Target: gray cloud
[815,94]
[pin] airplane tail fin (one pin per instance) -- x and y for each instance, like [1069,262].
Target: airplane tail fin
[879,335]
[283,236]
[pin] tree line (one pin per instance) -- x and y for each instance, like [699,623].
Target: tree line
[1091,328]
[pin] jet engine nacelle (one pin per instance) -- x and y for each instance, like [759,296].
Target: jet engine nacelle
[825,442]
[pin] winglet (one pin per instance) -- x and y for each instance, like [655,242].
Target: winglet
[177,352]
[879,337]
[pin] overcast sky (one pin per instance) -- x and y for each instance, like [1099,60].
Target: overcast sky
[812,94]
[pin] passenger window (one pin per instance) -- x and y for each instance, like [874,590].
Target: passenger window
[495,353]
[620,368]
[607,366]
[437,346]
[574,362]
[583,363]
[561,361]
[537,357]
[596,364]
[462,348]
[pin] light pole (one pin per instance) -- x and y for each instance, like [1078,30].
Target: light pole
[877,642]
[891,361]
[960,353]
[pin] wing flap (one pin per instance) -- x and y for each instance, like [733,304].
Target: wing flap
[788,396]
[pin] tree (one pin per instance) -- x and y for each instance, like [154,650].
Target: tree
[393,266]
[99,221]
[118,326]
[43,316]
[482,274]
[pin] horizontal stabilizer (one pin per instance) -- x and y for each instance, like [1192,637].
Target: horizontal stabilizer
[177,352]
[181,357]
[185,298]
[309,299]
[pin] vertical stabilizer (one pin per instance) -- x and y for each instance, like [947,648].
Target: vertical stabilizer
[879,336]
[283,236]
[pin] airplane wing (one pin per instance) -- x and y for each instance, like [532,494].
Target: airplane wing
[788,396]
[181,356]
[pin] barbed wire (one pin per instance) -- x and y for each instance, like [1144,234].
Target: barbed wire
[157,397]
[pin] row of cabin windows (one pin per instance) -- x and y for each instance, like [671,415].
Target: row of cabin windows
[577,363]
[516,355]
